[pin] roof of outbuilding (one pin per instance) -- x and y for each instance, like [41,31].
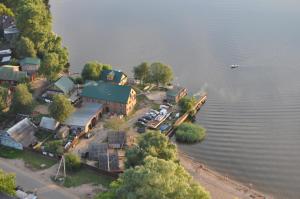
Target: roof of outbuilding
[116,76]
[30,60]
[8,73]
[107,92]
[23,132]
[116,138]
[65,84]
[49,123]
[83,115]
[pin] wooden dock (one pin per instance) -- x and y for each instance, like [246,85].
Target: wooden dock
[183,118]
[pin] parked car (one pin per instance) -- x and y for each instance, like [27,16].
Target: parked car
[154,111]
[147,118]
[141,123]
[88,135]
[141,129]
[164,127]
[143,120]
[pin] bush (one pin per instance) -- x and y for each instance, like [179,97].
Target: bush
[55,146]
[73,162]
[190,133]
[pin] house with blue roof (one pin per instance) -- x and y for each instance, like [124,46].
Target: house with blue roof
[115,98]
[114,77]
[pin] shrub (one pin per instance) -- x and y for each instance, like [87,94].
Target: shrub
[73,162]
[190,133]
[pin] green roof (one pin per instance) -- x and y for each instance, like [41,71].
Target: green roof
[116,76]
[8,73]
[31,61]
[107,92]
[65,84]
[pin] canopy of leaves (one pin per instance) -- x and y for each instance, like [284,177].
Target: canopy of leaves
[151,143]
[7,183]
[61,108]
[190,133]
[187,103]
[142,72]
[73,162]
[115,123]
[25,48]
[55,146]
[92,70]
[160,73]
[50,66]
[3,98]
[158,178]
[5,11]
[22,100]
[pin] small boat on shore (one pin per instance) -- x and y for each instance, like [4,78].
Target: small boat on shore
[234,66]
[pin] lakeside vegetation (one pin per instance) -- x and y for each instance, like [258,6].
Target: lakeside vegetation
[190,133]
[153,171]
[7,183]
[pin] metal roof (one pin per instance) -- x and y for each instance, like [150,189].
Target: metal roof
[83,115]
[96,149]
[23,132]
[111,76]
[65,84]
[108,92]
[9,73]
[31,61]
[49,123]
[117,138]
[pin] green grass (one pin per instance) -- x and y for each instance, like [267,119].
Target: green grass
[85,176]
[31,159]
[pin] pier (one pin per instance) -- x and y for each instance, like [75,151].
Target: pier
[183,118]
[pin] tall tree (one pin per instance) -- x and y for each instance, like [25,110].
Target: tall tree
[141,72]
[50,66]
[160,73]
[22,100]
[158,178]
[92,70]
[187,103]
[151,143]
[3,98]
[7,183]
[61,108]
[5,10]
[25,48]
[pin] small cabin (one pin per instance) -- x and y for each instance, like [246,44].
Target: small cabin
[176,94]
[31,66]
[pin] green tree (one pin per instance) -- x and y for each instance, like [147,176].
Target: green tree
[190,133]
[141,72]
[7,183]
[92,70]
[187,103]
[115,123]
[50,66]
[34,21]
[160,73]
[22,100]
[55,146]
[151,143]
[61,108]
[158,178]
[5,11]
[73,162]
[3,98]
[25,48]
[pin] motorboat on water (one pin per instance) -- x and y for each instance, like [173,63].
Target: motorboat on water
[234,66]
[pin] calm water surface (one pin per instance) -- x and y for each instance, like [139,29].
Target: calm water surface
[253,112]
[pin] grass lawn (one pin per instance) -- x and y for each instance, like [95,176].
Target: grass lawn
[85,176]
[32,160]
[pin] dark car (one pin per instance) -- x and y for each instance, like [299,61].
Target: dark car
[143,120]
[141,129]
[148,117]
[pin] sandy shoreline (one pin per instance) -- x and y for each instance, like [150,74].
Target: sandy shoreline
[219,186]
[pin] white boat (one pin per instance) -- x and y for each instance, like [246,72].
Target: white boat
[234,66]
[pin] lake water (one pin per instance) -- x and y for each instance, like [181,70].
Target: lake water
[252,114]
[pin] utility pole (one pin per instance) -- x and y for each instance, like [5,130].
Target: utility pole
[62,161]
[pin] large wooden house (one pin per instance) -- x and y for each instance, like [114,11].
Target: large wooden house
[114,98]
